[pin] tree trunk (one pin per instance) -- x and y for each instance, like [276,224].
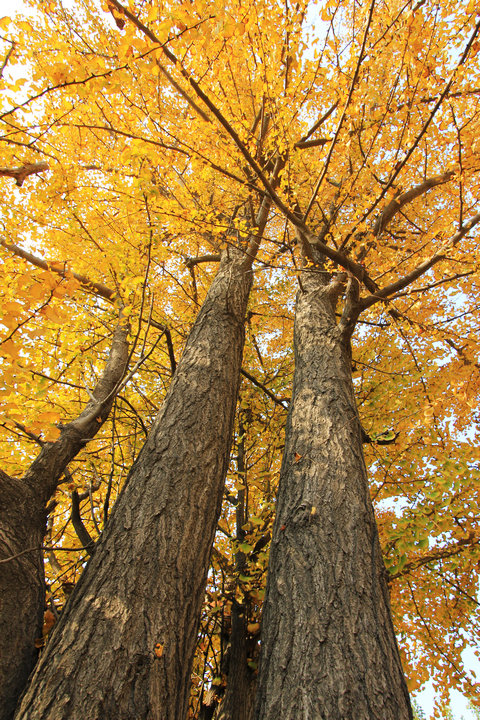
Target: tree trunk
[22,587]
[239,697]
[124,646]
[22,528]
[328,646]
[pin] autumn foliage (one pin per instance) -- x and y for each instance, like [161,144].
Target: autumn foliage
[136,142]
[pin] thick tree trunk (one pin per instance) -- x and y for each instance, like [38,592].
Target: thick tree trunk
[124,646]
[22,527]
[328,646]
[22,588]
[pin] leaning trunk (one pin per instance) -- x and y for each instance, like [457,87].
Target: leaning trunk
[328,645]
[22,527]
[124,646]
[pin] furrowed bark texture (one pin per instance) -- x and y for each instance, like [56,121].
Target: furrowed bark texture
[329,650]
[22,589]
[22,528]
[124,646]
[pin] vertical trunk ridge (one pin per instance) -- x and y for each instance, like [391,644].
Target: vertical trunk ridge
[328,646]
[124,647]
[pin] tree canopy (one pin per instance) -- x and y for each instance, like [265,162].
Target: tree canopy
[136,142]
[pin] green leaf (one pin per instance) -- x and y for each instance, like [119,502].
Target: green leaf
[245,548]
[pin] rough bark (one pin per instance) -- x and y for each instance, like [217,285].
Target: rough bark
[328,646]
[22,527]
[22,589]
[124,646]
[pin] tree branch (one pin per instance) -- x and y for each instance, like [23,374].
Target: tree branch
[49,465]
[319,123]
[304,144]
[340,124]
[209,104]
[394,287]
[439,554]
[212,257]
[20,173]
[426,125]
[264,388]
[55,266]
[77,522]
[7,57]
[95,288]
[397,203]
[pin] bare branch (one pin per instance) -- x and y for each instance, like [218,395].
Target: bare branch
[263,387]
[190,262]
[171,351]
[79,527]
[304,144]
[29,433]
[56,267]
[399,202]
[392,288]
[7,57]
[318,123]
[20,173]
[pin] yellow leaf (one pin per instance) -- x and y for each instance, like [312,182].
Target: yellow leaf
[158,650]
[49,416]
[163,30]
[9,348]
[51,434]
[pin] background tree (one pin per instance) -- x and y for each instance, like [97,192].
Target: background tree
[158,152]
[22,528]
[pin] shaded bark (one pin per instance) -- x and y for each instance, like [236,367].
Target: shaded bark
[22,587]
[22,528]
[328,646]
[239,696]
[124,645]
